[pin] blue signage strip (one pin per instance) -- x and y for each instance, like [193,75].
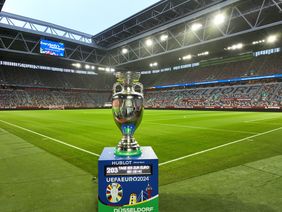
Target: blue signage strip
[52,48]
[128,183]
[219,81]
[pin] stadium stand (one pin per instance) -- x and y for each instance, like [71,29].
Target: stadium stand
[50,99]
[257,66]
[51,79]
[22,88]
[255,96]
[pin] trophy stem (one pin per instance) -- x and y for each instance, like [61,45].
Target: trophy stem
[128,146]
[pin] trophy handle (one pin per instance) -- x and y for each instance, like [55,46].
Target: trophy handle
[138,84]
[116,85]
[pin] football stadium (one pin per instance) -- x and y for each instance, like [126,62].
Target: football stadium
[202,81]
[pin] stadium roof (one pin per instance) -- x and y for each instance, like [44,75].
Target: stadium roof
[1,4]
[158,14]
[30,25]
[242,21]
[126,44]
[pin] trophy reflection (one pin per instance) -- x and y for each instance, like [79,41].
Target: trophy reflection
[127,107]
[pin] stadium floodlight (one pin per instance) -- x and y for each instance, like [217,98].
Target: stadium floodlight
[164,37]
[196,26]
[149,42]
[239,46]
[124,51]
[153,64]
[87,66]
[77,65]
[258,42]
[112,70]
[203,53]
[101,69]
[235,46]
[187,57]
[93,67]
[219,19]
[271,39]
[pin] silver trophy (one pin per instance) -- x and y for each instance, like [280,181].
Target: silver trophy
[127,107]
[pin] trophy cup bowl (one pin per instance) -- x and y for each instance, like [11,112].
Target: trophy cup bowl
[127,108]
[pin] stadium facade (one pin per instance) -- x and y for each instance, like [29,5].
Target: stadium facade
[192,54]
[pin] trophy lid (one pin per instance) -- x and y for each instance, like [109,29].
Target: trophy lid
[128,77]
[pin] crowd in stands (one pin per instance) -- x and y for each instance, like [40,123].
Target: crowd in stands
[258,66]
[263,65]
[262,95]
[51,79]
[237,96]
[27,88]
[32,98]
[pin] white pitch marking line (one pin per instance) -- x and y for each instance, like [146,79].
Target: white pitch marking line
[220,146]
[53,139]
[204,128]
[254,120]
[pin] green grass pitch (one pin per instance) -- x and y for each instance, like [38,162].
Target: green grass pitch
[192,142]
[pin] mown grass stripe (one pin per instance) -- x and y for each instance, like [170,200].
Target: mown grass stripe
[220,146]
[50,138]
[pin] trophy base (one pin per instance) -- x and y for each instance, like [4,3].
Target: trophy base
[128,146]
[124,153]
[115,189]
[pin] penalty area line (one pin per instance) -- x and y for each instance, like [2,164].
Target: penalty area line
[255,120]
[218,147]
[50,138]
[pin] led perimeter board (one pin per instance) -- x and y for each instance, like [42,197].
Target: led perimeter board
[52,48]
[128,184]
